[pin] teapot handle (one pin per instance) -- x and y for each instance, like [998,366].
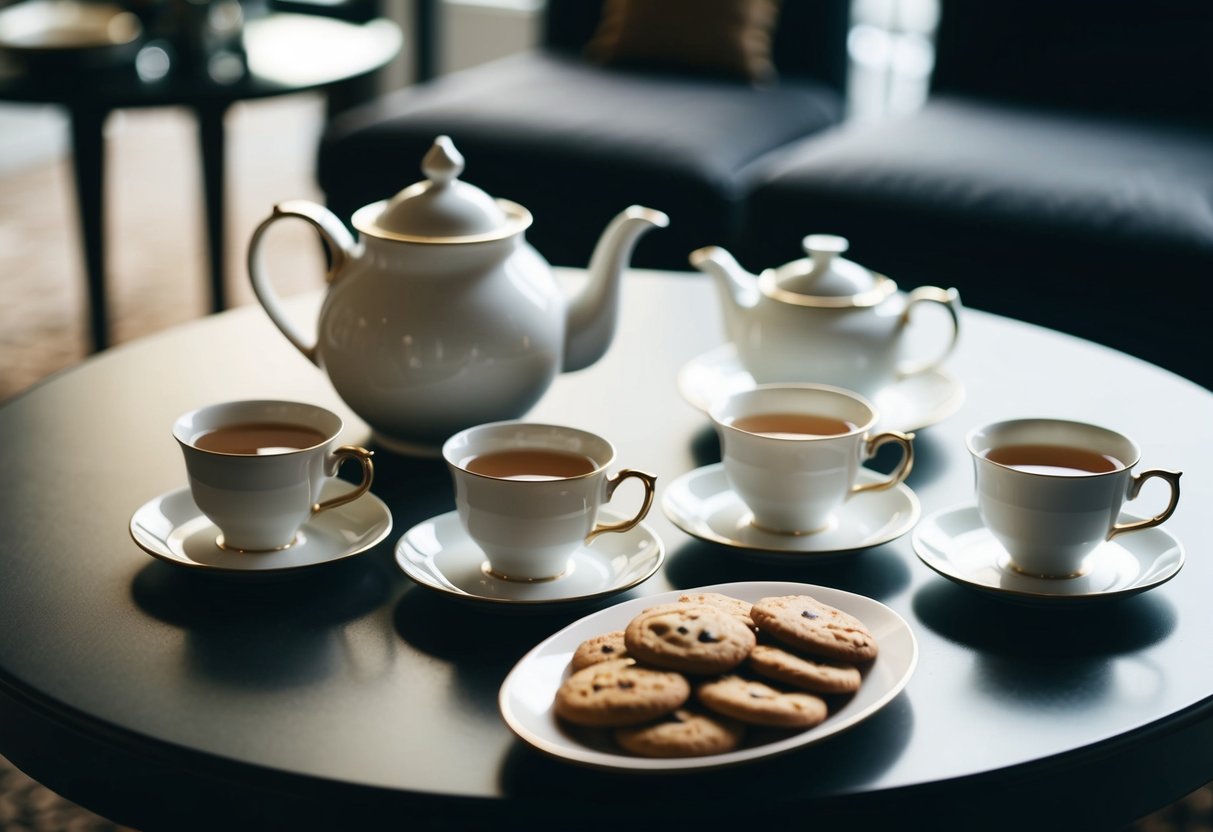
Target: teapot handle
[949,299]
[337,240]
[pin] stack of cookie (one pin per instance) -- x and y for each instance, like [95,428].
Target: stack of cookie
[686,679]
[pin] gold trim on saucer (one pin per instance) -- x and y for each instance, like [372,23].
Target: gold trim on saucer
[829,524]
[501,576]
[219,541]
[1027,573]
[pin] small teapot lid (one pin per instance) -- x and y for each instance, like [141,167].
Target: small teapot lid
[442,208]
[825,278]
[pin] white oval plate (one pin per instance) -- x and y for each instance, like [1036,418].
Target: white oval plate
[529,690]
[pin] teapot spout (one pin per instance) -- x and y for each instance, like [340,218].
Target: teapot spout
[592,315]
[738,289]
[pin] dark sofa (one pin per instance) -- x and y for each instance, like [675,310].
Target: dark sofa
[1061,171]
[576,142]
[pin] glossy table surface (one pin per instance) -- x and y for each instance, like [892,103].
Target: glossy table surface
[168,701]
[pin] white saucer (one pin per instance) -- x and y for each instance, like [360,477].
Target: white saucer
[955,544]
[703,505]
[527,693]
[911,404]
[173,529]
[439,555]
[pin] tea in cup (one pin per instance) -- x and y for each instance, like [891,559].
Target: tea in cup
[1050,490]
[529,494]
[257,468]
[793,452]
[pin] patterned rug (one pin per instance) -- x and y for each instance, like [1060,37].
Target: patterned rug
[157,278]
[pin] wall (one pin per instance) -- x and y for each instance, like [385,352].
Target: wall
[478,30]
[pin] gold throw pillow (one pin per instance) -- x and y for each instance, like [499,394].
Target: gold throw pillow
[727,37]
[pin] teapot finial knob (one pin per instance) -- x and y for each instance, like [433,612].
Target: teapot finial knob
[825,245]
[442,163]
[822,249]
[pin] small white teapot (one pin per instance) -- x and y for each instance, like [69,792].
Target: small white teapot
[822,319]
[443,316]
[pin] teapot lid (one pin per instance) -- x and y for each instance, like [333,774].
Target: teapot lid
[442,208]
[824,278]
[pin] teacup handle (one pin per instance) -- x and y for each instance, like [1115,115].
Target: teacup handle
[650,488]
[906,440]
[949,299]
[337,240]
[1137,482]
[340,455]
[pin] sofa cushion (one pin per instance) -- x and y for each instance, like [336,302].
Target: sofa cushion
[576,143]
[726,37]
[810,38]
[1095,226]
[1115,56]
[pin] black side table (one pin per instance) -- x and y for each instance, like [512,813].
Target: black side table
[286,53]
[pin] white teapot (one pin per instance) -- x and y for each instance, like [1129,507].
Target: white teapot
[822,318]
[442,316]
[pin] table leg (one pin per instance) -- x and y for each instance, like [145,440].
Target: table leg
[427,31]
[88,162]
[211,143]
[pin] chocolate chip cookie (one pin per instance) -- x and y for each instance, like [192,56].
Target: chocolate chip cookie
[689,637]
[617,692]
[736,606]
[757,703]
[683,733]
[804,673]
[816,629]
[601,648]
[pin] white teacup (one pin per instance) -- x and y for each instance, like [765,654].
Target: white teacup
[793,452]
[529,494]
[256,468]
[1050,491]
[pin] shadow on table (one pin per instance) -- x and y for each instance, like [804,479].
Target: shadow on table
[861,756]
[414,488]
[481,643]
[286,632]
[264,634]
[467,633]
[879,572]
[1034,657]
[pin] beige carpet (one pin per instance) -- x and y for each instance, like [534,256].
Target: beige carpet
[155,230]
[158,278]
